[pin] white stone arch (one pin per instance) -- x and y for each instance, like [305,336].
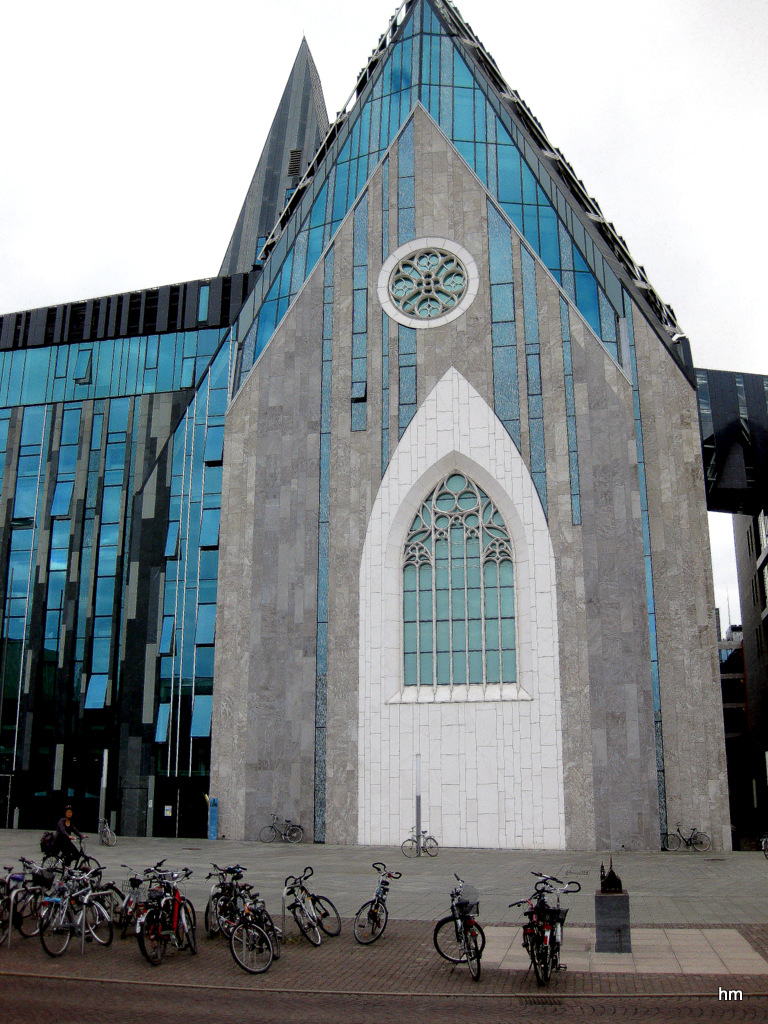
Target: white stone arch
[491,769]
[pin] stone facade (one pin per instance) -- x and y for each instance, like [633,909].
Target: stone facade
[569,758]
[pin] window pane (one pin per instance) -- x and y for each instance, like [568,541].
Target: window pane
[96,693]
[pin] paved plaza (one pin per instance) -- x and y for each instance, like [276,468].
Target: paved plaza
[699,922]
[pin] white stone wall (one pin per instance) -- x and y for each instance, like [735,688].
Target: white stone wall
[491,766]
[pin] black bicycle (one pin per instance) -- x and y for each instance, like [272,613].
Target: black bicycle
[371,919]
[458,937]
[543,931]
[700,841]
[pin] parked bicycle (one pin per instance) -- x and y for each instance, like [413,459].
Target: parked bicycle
[428,844]
[129,902]
[255,939]
[285,829]
[700,841]
[222,911]
[371,918]
[543,931]
[169,917]
[764,846]
[106,834]
[21,894]
[459,937]
[312,913]
[71,909]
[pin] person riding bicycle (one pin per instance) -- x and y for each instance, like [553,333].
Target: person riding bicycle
[63,845]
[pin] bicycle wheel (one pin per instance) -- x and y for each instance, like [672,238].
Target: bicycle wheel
[370,922]
[410,848]
[151,940]
[211,922]
[541,962]
[472,953]
[28,911]
[55,929]
[671,842]
[269,927]
[701,842]
[186,930]
[765,848]
[431,846]
[327,916]
[5,915]
[294,833]
[53,866]
[268,834]
[448,945]
[98,923]
[227,914]
[306,926]
[251,948]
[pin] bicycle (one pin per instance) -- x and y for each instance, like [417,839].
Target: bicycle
[106,834]
[764,846]
[312,913]
[428,844]
[458,937]
[700,841]
[224,903]
[255,939]
[286,830]
[169,917]
[72,909]
[55,863]
[21,894]
[543,932]
[371,919]
[131,900]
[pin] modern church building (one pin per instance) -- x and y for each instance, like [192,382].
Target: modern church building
[409,502]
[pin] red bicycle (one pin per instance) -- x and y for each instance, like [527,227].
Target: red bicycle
[169,917]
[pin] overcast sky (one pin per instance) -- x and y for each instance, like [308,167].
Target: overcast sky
[130,133]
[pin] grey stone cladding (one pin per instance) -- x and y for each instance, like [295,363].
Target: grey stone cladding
[264,706]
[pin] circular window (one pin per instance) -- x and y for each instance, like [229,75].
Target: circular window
[428,282]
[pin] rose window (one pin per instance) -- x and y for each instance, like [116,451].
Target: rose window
[428,283]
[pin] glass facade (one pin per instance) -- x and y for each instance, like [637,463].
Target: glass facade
[425,63]
[84,428]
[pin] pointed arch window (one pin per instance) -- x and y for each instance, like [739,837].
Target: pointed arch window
[458,591]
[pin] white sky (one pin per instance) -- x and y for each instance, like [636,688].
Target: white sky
[130,134]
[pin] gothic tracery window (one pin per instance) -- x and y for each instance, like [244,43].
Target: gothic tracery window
[458,591]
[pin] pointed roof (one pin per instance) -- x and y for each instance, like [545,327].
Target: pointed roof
[299,125]
[430,55]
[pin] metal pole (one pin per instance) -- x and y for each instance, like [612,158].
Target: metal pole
[418,805]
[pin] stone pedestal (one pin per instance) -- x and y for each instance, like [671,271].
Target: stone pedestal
[612,932]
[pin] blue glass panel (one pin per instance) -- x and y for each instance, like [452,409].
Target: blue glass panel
[26,498]
[206,624]
[209,528]
[161,730]
[96,693]
[201,715]
[111,504]
[166,637]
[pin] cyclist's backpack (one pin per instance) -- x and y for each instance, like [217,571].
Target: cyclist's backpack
[46,841]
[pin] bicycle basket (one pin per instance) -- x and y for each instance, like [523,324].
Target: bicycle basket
[553,915]
[469,901]
[43,879]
